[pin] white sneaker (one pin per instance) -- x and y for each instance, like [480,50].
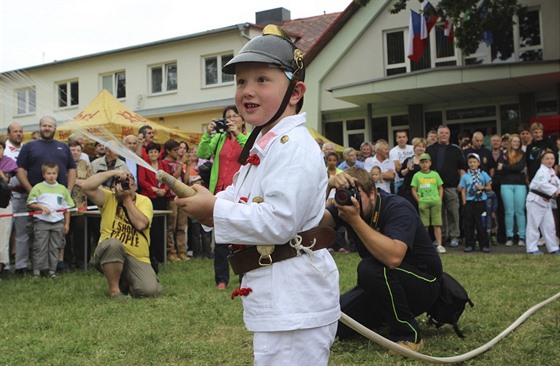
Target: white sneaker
[441,249]
[509,243]
[521,243]
[540,243]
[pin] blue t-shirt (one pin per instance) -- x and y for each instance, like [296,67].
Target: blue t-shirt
[35,153]
[473,194]
[399,220]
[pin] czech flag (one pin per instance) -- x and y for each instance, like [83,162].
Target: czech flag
[419,29]
[448,29]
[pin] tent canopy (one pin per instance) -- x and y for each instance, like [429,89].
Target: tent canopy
[105,114]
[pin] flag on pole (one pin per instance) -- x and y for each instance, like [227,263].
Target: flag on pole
[415,43]
[448,29]
[428,21]
[419,28]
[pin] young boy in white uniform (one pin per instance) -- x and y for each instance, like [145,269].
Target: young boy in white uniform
[543,189]
[291,304]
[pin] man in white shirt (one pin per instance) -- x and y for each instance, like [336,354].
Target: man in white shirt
[381,159]
[400,153]
[23,242]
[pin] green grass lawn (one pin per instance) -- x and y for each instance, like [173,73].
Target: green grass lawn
[70,320]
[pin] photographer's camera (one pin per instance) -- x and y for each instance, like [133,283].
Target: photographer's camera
[344,196]
[221,125]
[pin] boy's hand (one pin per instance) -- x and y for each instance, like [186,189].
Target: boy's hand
[200,206]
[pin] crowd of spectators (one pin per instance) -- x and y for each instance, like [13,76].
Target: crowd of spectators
[511,161]
[495,185]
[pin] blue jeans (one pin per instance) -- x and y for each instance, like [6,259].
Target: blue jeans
[513,198]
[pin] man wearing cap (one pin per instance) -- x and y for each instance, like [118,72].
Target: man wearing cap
[449,162]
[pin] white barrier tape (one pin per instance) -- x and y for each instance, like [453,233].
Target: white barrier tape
[20,214]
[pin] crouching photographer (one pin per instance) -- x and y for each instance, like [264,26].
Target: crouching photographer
[398,275]
[123,254]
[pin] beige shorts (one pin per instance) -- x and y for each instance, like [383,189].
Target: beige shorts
[137,279]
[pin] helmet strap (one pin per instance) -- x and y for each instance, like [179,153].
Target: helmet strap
[253,136]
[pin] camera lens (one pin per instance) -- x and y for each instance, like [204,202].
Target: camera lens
[344,197]
[125,185]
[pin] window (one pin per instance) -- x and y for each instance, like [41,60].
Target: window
[68,94]
[530,43]
[521,43]
[396,58]
[115,84]
[445,48]
[163,78]
[26,100]
[212,70]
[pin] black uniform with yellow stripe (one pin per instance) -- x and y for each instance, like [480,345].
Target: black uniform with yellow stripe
[393,296]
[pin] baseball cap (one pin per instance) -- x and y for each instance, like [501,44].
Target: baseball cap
[473,155]
[425,157]
[505,136]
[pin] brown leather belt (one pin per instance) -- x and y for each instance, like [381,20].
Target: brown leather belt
[249,259]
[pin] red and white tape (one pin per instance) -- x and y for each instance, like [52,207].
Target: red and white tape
[20,214]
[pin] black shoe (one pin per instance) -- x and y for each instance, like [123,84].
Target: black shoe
[468,249]
[61,267]
[21,271]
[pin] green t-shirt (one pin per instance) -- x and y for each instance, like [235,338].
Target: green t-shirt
[427,185]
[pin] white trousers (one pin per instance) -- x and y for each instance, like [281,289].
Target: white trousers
[305,347]
[5,232]
[539,216]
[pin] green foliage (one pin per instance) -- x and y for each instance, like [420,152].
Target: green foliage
[471,19]
[71,321]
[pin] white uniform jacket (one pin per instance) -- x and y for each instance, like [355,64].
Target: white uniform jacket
[544,181]
[290,184]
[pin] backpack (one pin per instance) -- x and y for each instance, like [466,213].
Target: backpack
[450,304]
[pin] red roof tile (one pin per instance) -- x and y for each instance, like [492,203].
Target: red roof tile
[309,30]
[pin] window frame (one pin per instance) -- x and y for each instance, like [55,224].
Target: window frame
[220,63]
[69,102]
[114,83]
[29,107]
[165,78]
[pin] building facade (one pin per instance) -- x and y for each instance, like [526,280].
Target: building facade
[360,84]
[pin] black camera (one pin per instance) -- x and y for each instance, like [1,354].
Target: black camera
[221,125]
[125,184]
[344,196]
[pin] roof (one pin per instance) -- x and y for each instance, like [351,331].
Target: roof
[308,30]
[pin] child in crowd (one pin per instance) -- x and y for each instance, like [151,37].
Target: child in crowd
[271,208]
[427,189]
[473,186]
[50,226]
[377,177]
[332,163]
[543,190]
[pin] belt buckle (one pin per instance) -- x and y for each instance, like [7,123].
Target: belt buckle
[265,251]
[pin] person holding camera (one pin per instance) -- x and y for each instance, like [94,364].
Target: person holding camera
[399,271]
[123,254]
[224,139]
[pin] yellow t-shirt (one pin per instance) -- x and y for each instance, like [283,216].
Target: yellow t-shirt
[118,226]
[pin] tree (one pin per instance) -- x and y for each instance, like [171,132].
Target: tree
[472,19]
